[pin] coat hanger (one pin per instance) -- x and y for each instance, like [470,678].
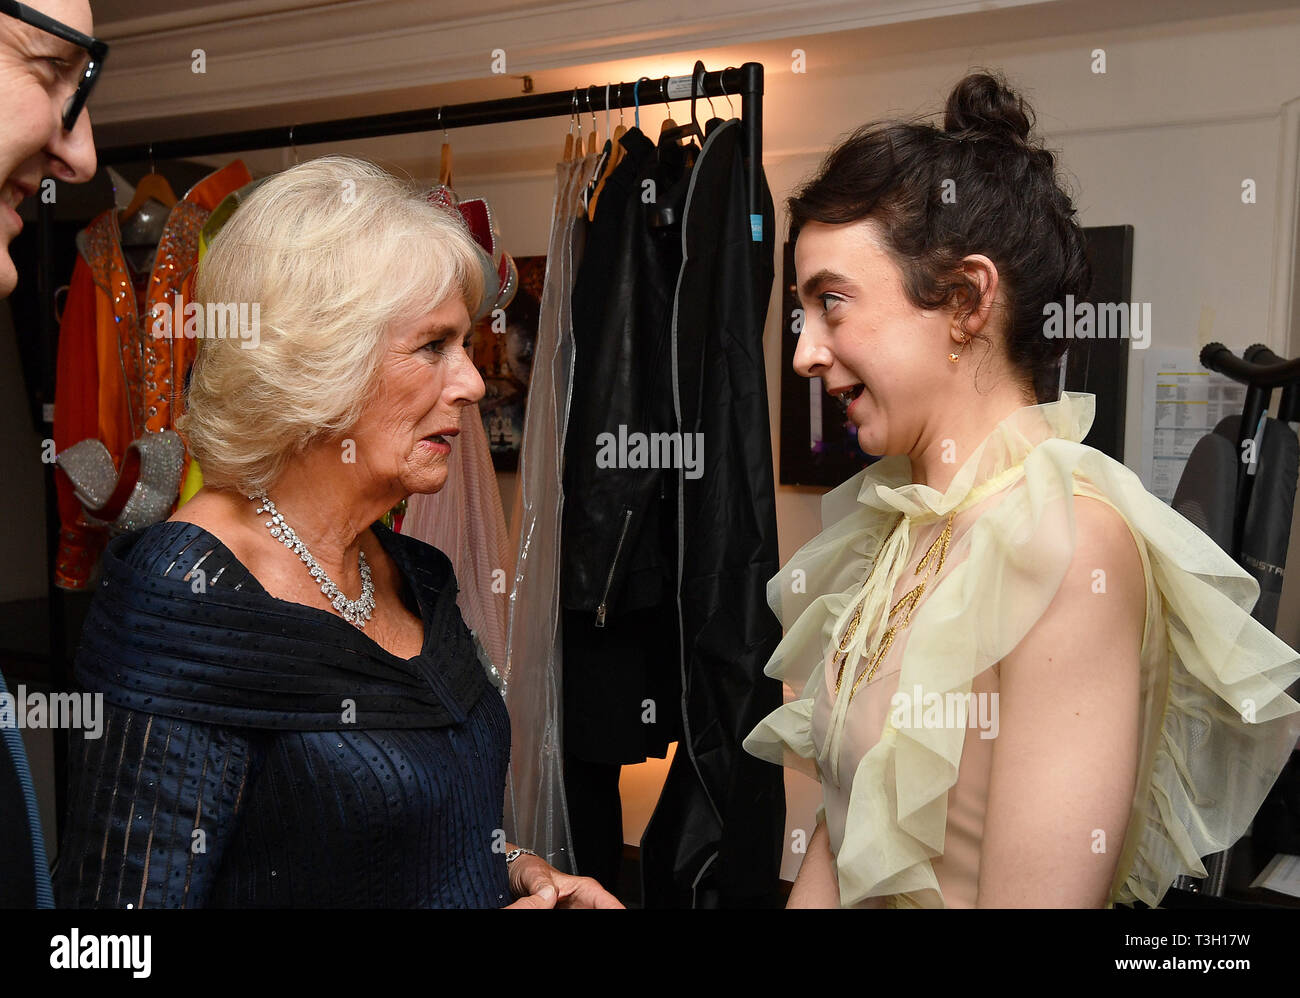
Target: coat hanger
[667,212]
[722,82]
[678,132]
[444,159]
[152,185]
[669,125]
[595,169]
[592,144]
[714,121]
[610,161]
[579,147]
[568,136]
[697,87]
[620,131]
[580,144]
[636,101]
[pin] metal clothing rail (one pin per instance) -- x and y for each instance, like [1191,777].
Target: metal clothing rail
[745,83]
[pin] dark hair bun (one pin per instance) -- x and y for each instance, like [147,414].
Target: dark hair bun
[983,104]
[1011,208]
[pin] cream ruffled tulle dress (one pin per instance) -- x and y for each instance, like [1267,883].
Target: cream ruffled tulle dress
[903,801]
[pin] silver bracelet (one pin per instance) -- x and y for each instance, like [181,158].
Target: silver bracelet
[514,854]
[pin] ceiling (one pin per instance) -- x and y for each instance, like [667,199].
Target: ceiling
[109,13]
[280,62]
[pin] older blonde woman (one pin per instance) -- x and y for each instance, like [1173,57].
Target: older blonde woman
[298,713]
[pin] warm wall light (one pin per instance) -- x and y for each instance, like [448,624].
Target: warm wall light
[639,787]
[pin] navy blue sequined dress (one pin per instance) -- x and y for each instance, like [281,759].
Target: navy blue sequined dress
[231,771]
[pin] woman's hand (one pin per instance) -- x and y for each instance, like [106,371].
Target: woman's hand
[537,884]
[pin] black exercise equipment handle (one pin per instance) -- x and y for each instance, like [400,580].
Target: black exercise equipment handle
[1219,358]
[1288,407]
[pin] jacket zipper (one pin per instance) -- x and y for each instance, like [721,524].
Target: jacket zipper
[604,597]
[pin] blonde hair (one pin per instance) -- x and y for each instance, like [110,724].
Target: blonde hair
[334,252]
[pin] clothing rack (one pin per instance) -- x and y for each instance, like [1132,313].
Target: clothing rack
[745,82]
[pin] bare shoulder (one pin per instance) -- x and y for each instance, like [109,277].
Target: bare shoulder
[1106,560]
[1094,621]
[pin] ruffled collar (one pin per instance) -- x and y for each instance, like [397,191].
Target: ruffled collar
[995,463]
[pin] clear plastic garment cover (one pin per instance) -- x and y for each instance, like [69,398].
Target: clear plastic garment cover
[536,815]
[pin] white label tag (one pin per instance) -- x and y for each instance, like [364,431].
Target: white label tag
[679,87]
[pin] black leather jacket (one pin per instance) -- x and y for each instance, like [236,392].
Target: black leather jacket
[613,559]
[667,346]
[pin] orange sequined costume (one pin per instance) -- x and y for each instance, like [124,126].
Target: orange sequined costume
[115,380]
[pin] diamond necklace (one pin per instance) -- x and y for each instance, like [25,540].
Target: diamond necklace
[356,611]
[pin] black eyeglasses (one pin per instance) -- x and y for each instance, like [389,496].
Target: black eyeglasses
[97,50]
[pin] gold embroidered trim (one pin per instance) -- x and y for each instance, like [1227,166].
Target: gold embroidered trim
[931,566]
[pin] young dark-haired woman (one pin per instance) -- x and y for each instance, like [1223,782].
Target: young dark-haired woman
[1023,680]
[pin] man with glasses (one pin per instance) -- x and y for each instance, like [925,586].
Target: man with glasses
[48,64]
